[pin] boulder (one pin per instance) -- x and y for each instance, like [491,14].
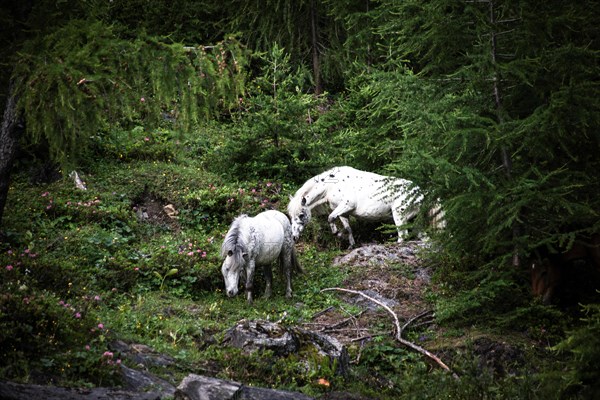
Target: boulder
[259,335]
[251,336]
[17,391]
[142,381]
[197,387]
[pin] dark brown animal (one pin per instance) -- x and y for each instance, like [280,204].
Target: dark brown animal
[550,272]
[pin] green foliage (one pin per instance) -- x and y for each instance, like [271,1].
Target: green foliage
[43,335]
[84,77]
[490,295]
[582,346]
[484,125]
[275,133]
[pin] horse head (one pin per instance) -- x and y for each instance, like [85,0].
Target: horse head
[299,221]
[232,269]
[546,278]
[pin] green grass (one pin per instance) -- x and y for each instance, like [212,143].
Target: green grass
[79,270]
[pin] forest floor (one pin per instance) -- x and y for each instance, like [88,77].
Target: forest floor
[395,275]
[390,274]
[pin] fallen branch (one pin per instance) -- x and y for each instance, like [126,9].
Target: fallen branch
[325,311]
[342,323]
[413,319]
[399,337]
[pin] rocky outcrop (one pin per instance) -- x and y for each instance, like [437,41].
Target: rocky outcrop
[196,387]
[16,391]
[258,335]
[379,254]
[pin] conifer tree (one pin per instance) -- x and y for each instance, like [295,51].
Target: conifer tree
[495,106]
[77,75]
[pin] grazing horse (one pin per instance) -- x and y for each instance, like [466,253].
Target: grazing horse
[258,240]
[351,192]
[550,272]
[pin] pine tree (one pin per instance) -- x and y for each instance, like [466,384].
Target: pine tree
[75,75]
[497,103]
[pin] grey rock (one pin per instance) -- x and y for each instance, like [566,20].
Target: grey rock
[196,387]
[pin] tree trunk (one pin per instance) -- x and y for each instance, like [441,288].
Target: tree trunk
[12,126]
[506,158]
[316,61]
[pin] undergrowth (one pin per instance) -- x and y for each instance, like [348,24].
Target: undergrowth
[83,269]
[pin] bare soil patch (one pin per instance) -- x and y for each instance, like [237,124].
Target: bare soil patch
[393,274]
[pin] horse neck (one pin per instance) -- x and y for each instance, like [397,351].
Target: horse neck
[312,190]
[237,239]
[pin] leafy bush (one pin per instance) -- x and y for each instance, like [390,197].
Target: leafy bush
[43,336]
[275,134]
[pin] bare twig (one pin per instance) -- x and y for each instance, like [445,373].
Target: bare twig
[343,322]
[416,317]
[399,337]
[325,311]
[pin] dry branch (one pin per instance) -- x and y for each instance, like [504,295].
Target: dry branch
[399,337]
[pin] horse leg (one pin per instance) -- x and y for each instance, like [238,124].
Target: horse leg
[268,280]
[400,220]
[339,212]
[286,265]
[334,228]
[346,223]
[250,267]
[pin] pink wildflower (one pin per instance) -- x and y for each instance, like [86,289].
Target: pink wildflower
[87,347]
[77,315]
[45,194]
[143,100]
[100,326]
[136,269]
[146,139]
[9,267]
[97,298]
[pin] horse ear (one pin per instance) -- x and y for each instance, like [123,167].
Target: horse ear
[303,201]
[229,253]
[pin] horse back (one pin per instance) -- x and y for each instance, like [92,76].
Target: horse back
[272,230]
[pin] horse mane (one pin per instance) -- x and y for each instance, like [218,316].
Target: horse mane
[235,240]
[295,205]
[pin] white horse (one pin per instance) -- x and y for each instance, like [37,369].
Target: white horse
[364,195]
[258,240]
